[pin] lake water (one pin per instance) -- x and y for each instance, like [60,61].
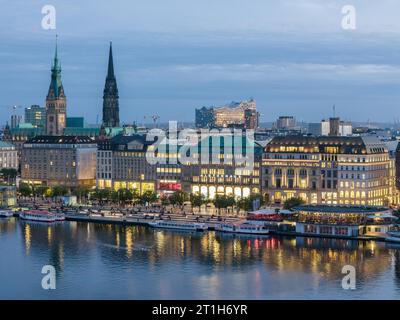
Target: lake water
[99,261]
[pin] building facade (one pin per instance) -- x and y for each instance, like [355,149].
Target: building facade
[285,123]
[36,115]
[122,164]
[328,170]
[15,121]
[68,161]
[222,173]
[234,115]
[331,127]
[8,155]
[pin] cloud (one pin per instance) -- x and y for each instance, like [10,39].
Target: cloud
[260,72]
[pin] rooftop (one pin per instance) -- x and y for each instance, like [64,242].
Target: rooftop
[61,140]
[344,144]
[341,209]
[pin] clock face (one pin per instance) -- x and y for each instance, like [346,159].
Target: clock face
[61,119]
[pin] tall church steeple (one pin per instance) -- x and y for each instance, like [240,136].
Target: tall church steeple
[56,102]
[110,96]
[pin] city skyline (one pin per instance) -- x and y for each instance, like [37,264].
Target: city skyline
[169,72]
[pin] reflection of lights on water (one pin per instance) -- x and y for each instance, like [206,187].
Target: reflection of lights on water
[160,239]
[372,247]
[61,254]
[216,250]
[117,239]
[88,231]
[182,245]
[49,235]
[129,242]
[204,243]
[27,237]
[237,248]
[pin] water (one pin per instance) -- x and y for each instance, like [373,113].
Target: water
[98,261]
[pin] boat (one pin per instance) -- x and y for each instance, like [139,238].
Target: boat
[393,236]
[60,216]
[178,225]
[38,215]
[242,228]
[6,213]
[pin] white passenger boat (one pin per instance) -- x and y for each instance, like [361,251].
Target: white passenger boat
[37,215]
[60,216]
[178,225]
[393,236]
[6,213]
[242,228]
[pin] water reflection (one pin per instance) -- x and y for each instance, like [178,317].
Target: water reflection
[215,265]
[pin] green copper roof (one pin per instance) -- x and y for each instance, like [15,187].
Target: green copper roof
[78,131]
[56,84]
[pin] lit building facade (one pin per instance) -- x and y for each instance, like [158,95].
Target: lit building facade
[68,161]
[235,115]
[328,170]
[8,196]
[35,115]
[8,155]
[223,174]
[122,164]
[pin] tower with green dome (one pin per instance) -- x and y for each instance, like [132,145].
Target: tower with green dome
[56,103]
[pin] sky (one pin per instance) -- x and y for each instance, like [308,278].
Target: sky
[172,56]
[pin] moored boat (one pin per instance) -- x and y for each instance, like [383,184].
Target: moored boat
[179,225]
[242,228]
[38,215]
[393,236]
[60,216]
[6,213]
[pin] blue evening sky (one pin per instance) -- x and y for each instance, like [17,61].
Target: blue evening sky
[172,56]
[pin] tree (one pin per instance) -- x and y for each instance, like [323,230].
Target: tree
[122,195]
[178,197]
[105,194]
[135,196]
[293,202]
[148,197]
[9,175]
[126,195]
[59,191]
[197,199]
[24,190]
[81,192]
[165,201]
[244,204]
[39,191]
[223,201]
[114,196]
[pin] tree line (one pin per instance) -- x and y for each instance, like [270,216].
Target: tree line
[127,196]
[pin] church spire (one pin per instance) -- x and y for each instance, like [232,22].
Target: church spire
[110,73]
[110,96]
[56,64]
[56,88]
